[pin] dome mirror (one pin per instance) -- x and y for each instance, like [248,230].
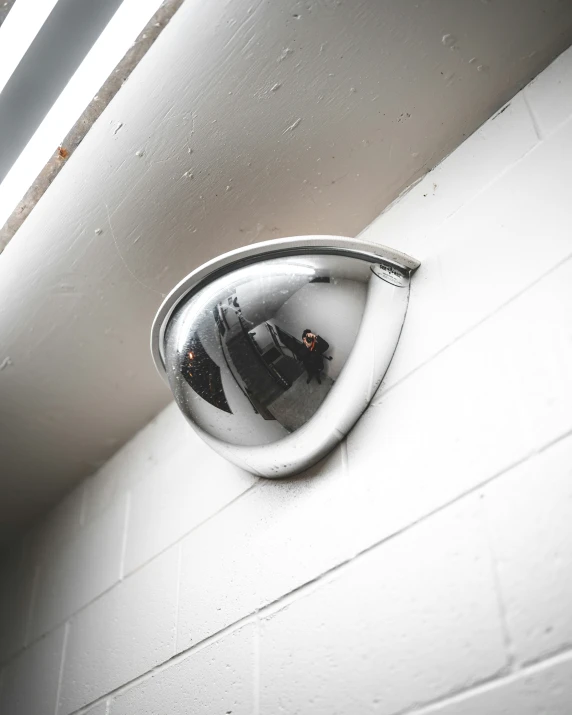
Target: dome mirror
[272,352]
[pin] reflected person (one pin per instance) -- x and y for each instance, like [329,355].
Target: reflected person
[312,354]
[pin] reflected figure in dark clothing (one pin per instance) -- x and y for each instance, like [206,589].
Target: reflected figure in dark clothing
[312,354]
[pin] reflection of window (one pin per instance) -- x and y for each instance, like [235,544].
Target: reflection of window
[217,311]
[203,374]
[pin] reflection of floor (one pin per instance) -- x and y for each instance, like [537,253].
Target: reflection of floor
[295,406]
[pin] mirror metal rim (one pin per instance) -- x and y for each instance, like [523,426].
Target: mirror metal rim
[256,252]
[314,440]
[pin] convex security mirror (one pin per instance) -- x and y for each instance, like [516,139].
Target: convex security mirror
[274,351]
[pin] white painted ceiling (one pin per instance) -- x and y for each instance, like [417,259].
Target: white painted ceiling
[247,120]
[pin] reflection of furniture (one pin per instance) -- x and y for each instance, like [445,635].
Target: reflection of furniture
[284,340]
[286,366]
[242,358]
[267,373]
[259,378]
[274,355]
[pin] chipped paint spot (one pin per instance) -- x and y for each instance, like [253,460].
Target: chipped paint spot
[293,126]
[285,52]
[449,40]
[65,289]
[4,364]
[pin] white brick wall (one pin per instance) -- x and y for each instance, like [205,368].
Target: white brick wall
[81,569]
[30,681]
[403,624]
[217,678]
[123,634]
[530,519]
[424,567]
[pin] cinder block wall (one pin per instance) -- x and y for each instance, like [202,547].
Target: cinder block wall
[424,567]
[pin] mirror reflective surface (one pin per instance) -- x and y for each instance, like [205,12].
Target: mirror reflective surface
[254,355]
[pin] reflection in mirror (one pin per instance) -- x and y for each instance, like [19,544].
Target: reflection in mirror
[253,355]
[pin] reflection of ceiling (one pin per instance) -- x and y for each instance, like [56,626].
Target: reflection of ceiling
[245,121]
[260,299]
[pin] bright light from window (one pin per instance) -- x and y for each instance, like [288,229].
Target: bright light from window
[106,53]
[18,32]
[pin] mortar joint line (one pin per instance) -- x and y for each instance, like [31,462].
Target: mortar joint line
[31,642]
[427,175]
[62,666]
[165,665]
[324,576]
[83,504]
[344,457]
[32,605]
[502,610]
[124,538]
[178,596]
[256,664]
[481,685]
[532,115]
[485,685]
[274,605]
[382,392]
